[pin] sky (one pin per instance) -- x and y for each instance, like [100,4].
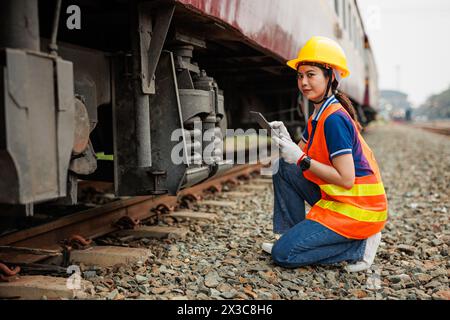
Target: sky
[411,43]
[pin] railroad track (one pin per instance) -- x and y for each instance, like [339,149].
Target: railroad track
[442,130]
[27,248]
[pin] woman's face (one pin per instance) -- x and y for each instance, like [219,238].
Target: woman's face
[312,82]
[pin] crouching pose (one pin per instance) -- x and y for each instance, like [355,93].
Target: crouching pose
[332,168]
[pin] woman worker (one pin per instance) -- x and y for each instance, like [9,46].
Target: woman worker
[332,168]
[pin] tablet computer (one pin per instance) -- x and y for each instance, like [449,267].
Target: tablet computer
[263,122]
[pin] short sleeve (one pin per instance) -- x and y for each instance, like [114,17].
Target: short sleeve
[305,135]
[340,135]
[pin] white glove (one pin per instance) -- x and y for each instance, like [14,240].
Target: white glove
[280,128]
[290,151]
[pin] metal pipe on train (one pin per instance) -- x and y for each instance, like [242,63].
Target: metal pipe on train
[19,24]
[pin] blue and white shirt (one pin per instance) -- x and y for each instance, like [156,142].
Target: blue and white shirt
[341,136]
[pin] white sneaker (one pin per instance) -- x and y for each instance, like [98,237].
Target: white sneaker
[267,247]
[369,255]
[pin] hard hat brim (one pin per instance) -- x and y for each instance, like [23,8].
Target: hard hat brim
[294,65]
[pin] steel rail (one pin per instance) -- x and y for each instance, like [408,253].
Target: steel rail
[99,221]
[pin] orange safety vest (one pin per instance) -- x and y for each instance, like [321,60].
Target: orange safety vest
[357,213]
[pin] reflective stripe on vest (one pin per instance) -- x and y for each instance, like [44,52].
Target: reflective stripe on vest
[357,213]
[353,212]
[357,190]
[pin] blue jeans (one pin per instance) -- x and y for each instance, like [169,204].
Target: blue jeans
[305,242]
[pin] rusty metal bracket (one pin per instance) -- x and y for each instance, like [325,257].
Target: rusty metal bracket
[7,274]
[127,223]
[233,181]
[216,188]
[160,211]
[164,208]
[76,241]
[189,198]
[152,38]
[245,176]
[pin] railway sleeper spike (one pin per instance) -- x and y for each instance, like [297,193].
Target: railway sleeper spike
[188,199]
[216,188]
[164,208]
[126,222]
[7,272]
[191,197]
[6,279]
[245,176]
[78,242]
[233,181]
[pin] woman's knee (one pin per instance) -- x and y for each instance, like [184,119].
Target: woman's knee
[287,256]
[281,254]
[279,257]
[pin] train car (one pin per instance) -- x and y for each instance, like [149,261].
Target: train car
[96,89]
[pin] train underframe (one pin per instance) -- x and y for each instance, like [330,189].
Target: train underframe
[101,103]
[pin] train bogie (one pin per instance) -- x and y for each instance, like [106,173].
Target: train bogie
[141,96]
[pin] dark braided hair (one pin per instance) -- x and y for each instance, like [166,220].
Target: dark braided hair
[342,98]
[346,103]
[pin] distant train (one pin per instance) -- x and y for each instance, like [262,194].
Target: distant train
[92,89]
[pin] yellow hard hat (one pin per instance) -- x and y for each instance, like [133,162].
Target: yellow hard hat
[324,51]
